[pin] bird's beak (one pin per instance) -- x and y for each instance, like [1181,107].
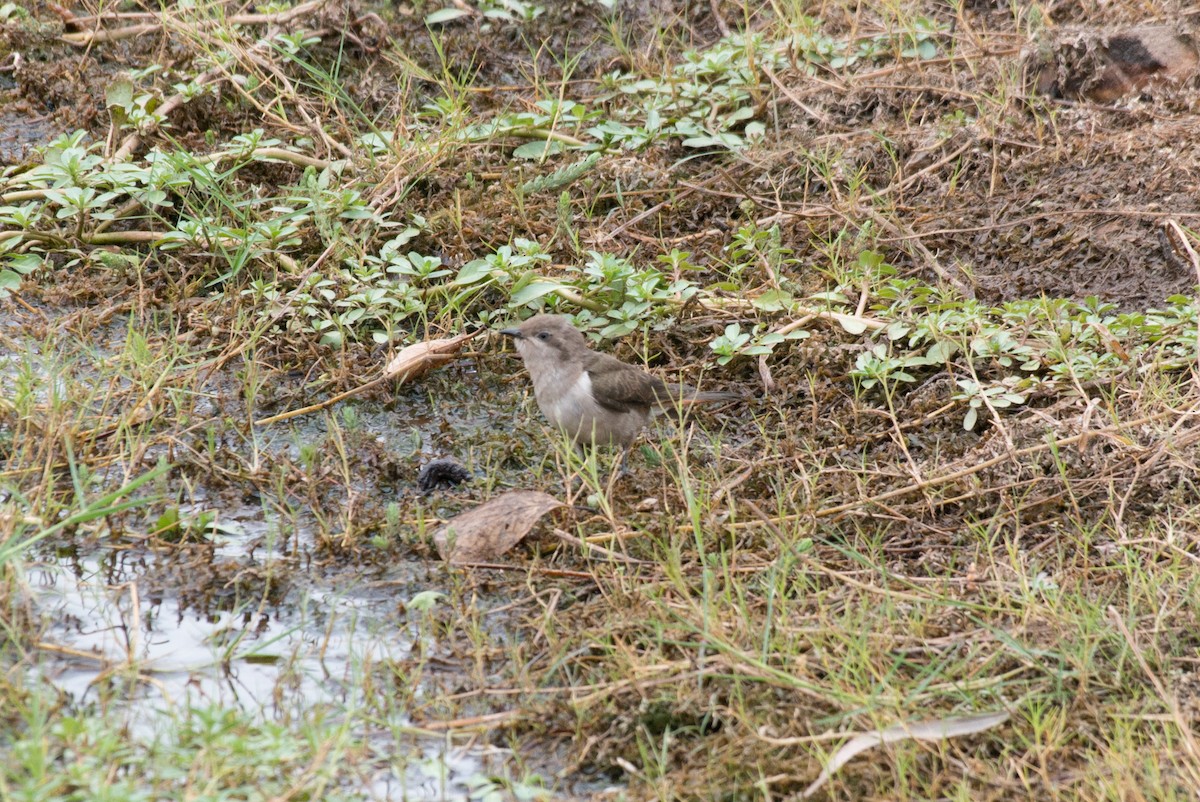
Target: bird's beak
[514,333]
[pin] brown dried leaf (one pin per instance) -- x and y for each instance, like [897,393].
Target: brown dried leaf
[418,359]
[493,527]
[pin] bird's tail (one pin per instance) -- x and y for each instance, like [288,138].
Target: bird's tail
[711,397]
[681,397]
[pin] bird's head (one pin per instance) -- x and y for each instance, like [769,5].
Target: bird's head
[547,339]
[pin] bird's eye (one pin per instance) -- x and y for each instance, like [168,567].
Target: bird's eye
[543,335]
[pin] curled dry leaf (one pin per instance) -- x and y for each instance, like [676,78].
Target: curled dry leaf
[418,359]
[937,730]
[493,527]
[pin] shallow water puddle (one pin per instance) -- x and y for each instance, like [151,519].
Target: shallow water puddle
[273,662]
[232,657]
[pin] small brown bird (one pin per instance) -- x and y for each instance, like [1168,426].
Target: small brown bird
[593,397]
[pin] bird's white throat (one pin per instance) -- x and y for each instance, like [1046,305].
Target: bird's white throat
[551,377]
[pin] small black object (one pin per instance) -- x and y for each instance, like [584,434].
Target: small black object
[441,474]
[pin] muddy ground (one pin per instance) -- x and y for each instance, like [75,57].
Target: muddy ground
[953,167]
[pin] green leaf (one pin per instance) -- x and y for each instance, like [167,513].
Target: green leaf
[119,94]
[737,115]
[731,141]
[9,281]
[941,351]
[773,301]
[473,271]
[442,16]
[167,525]
[115,260]
[425,600]
[970,418]
[25,263]
[852,325]
[539,149]
[533,291]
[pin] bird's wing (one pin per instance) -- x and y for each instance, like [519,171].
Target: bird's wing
[618,386]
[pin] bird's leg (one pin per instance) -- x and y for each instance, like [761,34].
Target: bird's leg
[623,466]
[576,463]
[619,472]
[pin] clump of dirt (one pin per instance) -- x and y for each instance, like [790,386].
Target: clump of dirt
[1104,68]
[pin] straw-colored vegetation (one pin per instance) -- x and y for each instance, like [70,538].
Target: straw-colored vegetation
[956,513]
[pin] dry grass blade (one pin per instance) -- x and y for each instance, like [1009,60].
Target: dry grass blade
[976,468]
[92,37]
[937,730]
[492,528]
